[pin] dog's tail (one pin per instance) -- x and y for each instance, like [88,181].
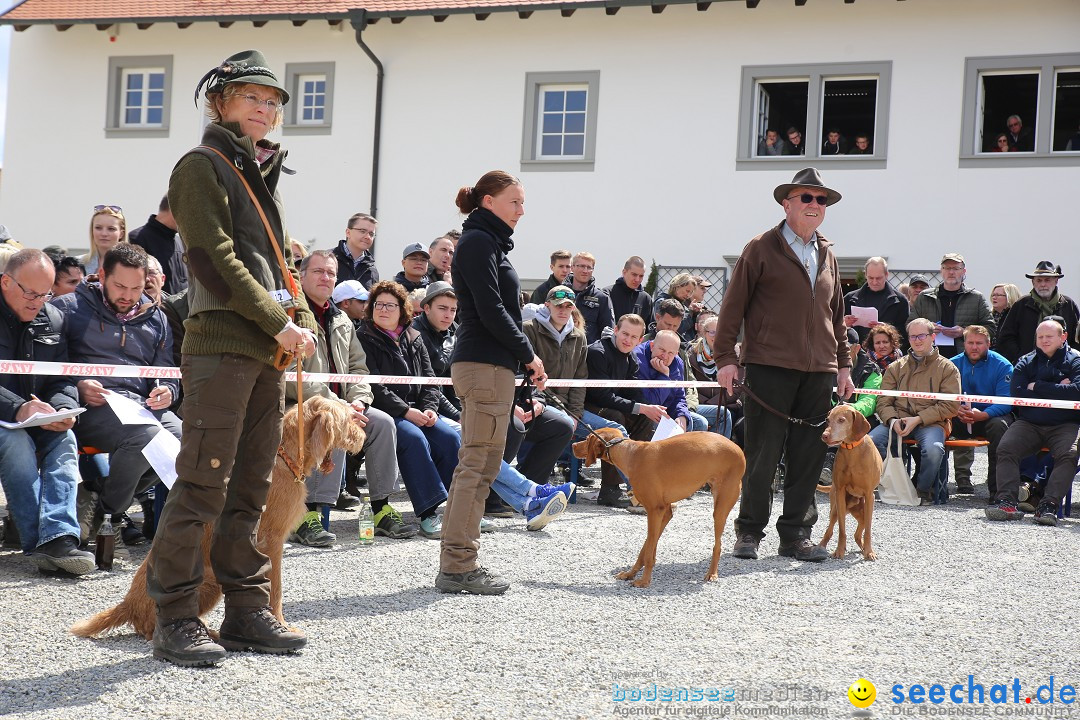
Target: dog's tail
[103,621]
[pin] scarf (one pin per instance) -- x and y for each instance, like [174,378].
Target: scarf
[883,361]
[121,316]
[393,334]
[705,359]
[1047,306]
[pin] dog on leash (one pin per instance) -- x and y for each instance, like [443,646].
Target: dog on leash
[665,472]
[328,425]
[856,474]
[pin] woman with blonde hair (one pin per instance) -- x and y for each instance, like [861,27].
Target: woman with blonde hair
[1002,298]
[682,288]
[108,228]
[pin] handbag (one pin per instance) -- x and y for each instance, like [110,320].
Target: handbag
[895,487]
[282,358]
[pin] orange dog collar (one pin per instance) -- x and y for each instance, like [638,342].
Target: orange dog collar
[850,446]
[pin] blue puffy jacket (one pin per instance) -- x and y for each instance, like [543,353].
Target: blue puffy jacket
[989,376]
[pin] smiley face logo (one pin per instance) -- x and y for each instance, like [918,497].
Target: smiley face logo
[862,693]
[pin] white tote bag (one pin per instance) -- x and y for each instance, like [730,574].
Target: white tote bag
[895,487]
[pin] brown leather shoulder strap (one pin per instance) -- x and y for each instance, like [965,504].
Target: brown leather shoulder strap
[286,276]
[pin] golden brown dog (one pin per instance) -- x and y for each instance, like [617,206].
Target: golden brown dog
[856,473]
[327,425]
[667,471]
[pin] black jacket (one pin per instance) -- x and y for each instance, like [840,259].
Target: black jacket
[42,339]
[539,295]
[440,346]
[892,308]
[489,295]
[407,357]
[595,306]
[408,284]
[1016,336]
[1047,374]
[624,300]
[605,362]
[686,330]
[164,244]
[362,270]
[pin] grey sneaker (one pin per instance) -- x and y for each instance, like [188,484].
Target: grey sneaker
[247,628]
[389,523]
[473,582]
[312,533]
[186,642]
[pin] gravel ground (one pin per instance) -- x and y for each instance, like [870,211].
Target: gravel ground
[950,595]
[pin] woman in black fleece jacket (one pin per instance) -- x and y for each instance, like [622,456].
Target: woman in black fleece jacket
[490,347]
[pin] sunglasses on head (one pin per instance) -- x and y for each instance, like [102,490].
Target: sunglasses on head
[562,295]
[807,198]
[114,208]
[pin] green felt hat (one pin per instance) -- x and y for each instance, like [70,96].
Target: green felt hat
[247,67]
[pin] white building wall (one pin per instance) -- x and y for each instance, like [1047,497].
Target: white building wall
[665,185]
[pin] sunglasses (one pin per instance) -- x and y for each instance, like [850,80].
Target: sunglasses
[807,198]
[562,295]
[114,208]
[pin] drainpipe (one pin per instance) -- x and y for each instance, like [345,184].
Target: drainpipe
[358,19]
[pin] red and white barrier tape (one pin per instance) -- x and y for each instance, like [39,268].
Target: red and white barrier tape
[83,370]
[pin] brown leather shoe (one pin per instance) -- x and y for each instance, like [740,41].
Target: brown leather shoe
[803,549]
[247,628]
[746,547]
[186,642]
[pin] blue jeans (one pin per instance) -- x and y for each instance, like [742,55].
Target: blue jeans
[40,474]
[698,423]
[426,459]
[931,444]
[719,418]
[594,421]
[513,487]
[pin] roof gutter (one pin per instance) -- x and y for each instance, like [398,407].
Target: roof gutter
[358,19]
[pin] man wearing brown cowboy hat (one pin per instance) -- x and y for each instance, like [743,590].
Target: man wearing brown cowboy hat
[785,290]
[1016,336]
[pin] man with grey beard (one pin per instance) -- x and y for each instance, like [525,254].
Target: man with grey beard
[1016,337]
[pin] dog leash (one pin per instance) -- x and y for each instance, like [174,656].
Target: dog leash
[557,402]
[798,421]
[299,416]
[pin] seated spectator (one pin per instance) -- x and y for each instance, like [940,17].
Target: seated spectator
[861,146]
[107,228]
[594,304]
[414,264]
[794,145]
[627,293]
[113,322]
[669,316]
[155,281]
[441,251]
[1016,337]
[437,325]
[1073,145]
[610,358]
[834,144]
[882,346]
[982,372]
[351,298]
[561,266]
[69,275]
[891,306]
[681,288]
[38,467]
[353,253]
[160,239]
[771,144]
[416,298]
[339,350]
[1002,298]
[711,405]
[927,421]
[299,250]
[659,359]
[1001,143]
[427,447]
[917,283]
[1020,137]
[1050,372]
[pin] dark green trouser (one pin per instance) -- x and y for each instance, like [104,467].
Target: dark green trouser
[232,411]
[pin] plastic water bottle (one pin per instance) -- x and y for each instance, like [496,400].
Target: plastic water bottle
[105,545]
[367,521]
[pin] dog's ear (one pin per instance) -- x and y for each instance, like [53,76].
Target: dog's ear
[592,449]
[320,422]
[859,426]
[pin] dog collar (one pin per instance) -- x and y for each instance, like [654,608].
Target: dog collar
[291,464]
[849,446]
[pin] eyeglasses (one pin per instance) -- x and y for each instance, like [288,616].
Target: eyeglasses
[1001,295]
[562,295]
[807,198]
[271,105]
[323,271]
[362,231]
[29,294]
[114,208]
[385,306]
[583,267]
[920,337]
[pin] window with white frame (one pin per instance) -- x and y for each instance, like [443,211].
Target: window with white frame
[830,111]
[311,103]
[1023,109]
[139,94]
[560,120]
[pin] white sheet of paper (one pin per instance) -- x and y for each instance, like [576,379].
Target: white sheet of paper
[943,339]
[864,315]
[666,428]
[39,419]
[161,452]
[128,411]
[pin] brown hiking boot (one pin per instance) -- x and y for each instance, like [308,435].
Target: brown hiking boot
[247,628]
[186,642]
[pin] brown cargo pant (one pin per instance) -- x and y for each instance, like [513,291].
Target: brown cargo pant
[487,393]
[232,411]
